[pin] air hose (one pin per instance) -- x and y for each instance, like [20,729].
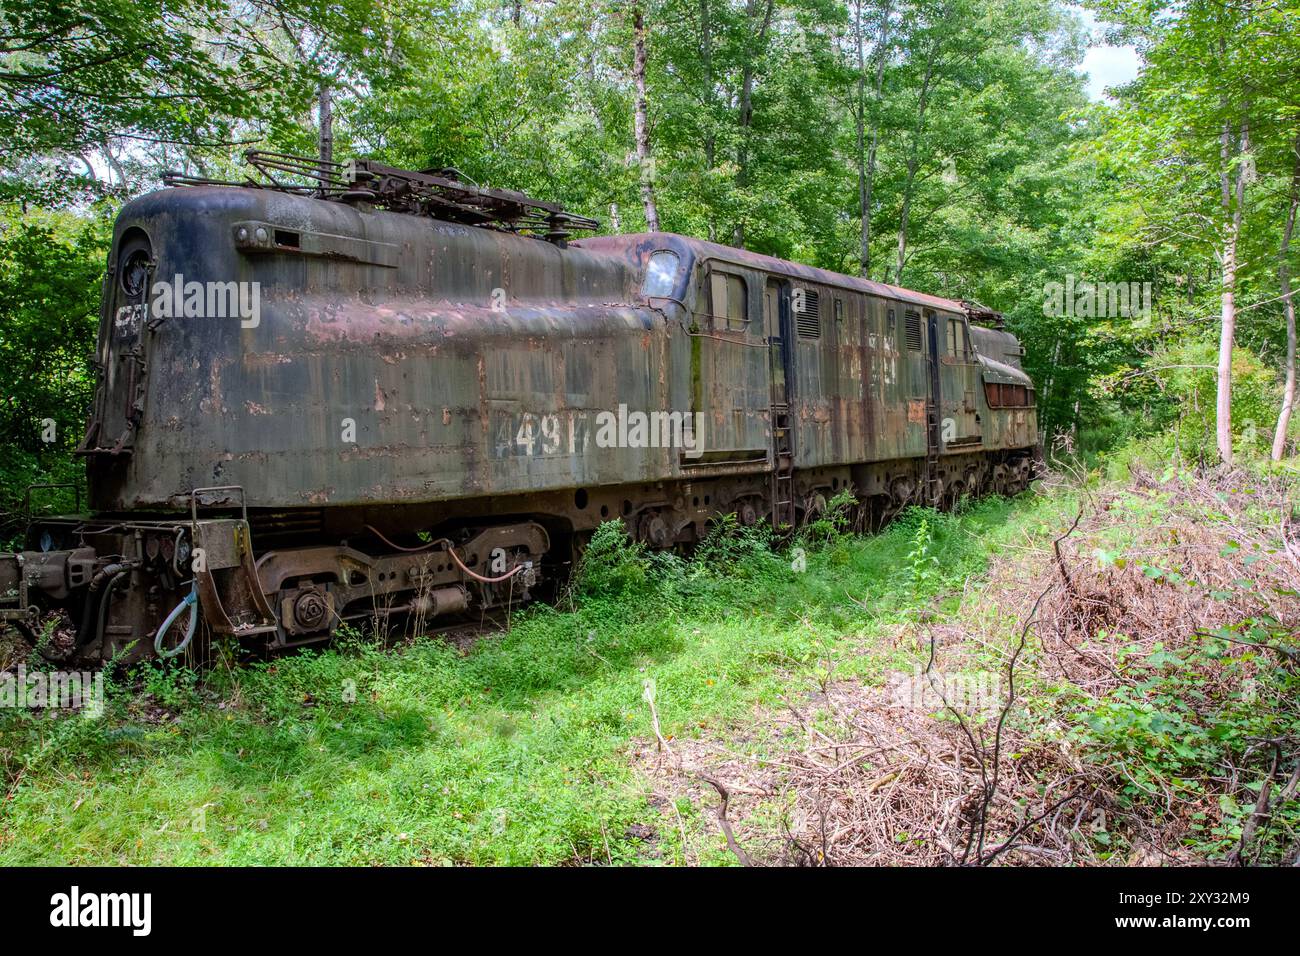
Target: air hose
[94,603]
[191,601]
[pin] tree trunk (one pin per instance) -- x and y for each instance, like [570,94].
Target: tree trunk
[706,63]
[1288,305]
[1228,312]
[118,172]
[867,167]
[860,122]
[913,162]
[644,159]
[1227,333]
[326,139]
[747,103]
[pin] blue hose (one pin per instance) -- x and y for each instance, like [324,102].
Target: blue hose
[192,602]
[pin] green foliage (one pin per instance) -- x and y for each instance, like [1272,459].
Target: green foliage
[922,565]
[187,77]
[1186,712]
[834,521]
[613,565]
[50,267]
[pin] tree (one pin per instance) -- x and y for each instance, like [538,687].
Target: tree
[866,145]
[1288,305]
[644,159]
[107,78]
[1217,91]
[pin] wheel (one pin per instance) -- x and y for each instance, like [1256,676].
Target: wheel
[952,495]
[747,514]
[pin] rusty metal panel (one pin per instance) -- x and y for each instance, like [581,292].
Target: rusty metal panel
[365,383]
[398,359]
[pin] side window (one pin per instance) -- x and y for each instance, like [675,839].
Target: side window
[957,338]
[729,303]
[1008,396]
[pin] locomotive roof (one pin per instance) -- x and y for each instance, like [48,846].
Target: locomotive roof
[444,195]
[703,249]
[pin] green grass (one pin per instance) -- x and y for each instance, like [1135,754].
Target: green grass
[514,753]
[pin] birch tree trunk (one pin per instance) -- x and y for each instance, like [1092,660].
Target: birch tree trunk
[913,162]
[1228,311]
[860,122]
[706,61]
[1288,305]
[643,155]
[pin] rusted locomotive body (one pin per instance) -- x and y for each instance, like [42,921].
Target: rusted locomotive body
[312,410]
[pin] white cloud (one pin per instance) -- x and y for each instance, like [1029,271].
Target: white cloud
[1106,65]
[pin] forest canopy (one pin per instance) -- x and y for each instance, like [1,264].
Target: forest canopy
[945,145]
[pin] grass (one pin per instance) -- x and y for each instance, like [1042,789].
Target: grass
[1153,685]
[516,752]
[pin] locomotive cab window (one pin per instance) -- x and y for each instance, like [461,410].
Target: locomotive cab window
[729,304]
[660,275]
[1001,395]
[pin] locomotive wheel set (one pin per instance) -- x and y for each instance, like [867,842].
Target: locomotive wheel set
[396,394]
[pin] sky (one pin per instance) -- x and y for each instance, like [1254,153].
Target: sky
[1106,65]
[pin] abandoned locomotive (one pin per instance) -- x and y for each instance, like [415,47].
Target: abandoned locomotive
[387,392]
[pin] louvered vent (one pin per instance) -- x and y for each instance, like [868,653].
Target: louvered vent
[808,321]
[913,330]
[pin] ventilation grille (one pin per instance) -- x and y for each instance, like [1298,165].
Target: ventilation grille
[913,330]
[808,321]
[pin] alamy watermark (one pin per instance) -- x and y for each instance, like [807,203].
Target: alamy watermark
[177,298]
[576,432]
[1097,300]
[53,690]
[133,911]
[930,691]
[636,429]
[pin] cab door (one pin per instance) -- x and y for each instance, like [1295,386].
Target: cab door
[730,375]
[959,382]
[776,328]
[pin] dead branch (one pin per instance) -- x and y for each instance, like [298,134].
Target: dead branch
[725,797]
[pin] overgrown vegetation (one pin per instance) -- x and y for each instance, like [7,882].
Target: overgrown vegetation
[1155,692]
[849,694]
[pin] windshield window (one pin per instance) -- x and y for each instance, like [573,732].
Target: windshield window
[660,274]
